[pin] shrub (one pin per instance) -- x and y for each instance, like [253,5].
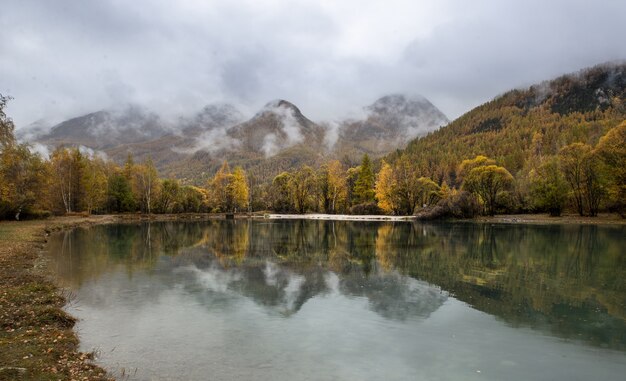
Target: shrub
[368,208]
[459,205]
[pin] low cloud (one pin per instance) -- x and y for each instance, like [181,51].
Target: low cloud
[326,57]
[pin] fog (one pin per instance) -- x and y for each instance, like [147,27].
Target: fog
[61,59]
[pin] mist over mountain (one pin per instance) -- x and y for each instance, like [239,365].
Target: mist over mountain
[390,122]
[278,137]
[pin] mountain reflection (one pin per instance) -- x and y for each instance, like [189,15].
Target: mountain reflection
[567,280]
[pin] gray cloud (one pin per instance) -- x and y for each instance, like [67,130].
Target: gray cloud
[62,58]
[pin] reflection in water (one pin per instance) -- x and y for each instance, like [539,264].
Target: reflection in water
[566,281]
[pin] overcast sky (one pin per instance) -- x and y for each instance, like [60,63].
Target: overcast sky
[64,58]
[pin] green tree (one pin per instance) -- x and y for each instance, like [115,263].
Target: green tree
[281,193]
[406,186]
[168,197]
[548,187]
[486,182]
[364,186]
[120,196]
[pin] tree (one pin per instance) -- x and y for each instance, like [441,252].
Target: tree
[281,193]
[7,137]
[468,164]
[94,180]
[612,151]
[300,184]
[428,192]
[364,186]
[332,186]
[193,199]
[406,186]
[487,181]
[385,188]
[581,169]
[168,196]
[238,190]
[147,184]
[548,187]
[67,170]
[120,196]
[23,180]
[218,188]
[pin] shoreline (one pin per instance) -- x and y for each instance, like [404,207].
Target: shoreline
[37,338]
[534,219]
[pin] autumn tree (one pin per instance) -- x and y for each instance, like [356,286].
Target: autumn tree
[300,185]
[486,182]
[385,188]
[95,183]
[23,180]
[218,188]
[364,185]
[332,186]
[238,190]
[7,137]
[468,164]
[581,169]
[428,192]
[147,185]
[67,175]
[612,150]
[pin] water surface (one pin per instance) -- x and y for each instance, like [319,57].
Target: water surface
[323,300]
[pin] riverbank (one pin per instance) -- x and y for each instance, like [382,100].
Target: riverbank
[37,340]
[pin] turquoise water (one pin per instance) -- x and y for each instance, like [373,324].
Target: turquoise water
[320,300]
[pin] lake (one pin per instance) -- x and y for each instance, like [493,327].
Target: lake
[324,300]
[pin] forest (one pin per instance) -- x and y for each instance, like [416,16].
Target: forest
[552,148]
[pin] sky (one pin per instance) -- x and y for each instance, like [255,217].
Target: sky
[64,58]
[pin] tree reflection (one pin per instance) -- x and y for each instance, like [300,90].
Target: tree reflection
[568,280]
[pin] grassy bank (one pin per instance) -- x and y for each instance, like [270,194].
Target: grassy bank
[37,341]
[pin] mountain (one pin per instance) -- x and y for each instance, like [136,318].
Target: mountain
[107,128]
[390,123]
[278,137]
[523,126]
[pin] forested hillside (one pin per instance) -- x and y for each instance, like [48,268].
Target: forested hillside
[521,127]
